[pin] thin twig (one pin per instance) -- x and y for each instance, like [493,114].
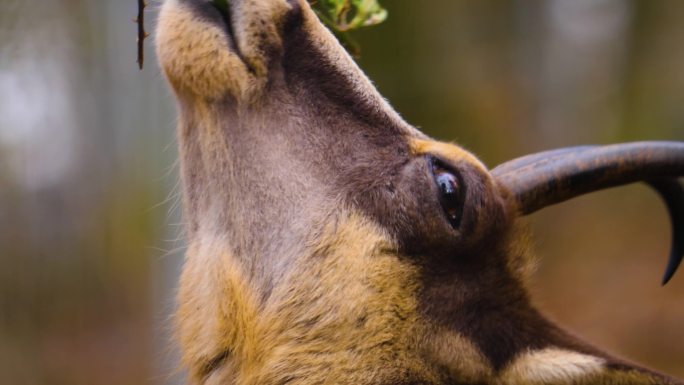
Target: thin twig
[141,32]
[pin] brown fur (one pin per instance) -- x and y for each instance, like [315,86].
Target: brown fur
[318,248]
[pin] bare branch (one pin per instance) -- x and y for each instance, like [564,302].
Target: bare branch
[140,20]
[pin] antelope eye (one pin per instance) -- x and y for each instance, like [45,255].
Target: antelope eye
[450,189]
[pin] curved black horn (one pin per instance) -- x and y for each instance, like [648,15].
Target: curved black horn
[672,193]
[550,177]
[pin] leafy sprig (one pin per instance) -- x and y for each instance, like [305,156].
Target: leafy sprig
[342,16]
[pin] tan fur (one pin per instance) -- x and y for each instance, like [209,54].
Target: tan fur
[337,336]
[217,307]
[196,59]
[462,359]
[445,150]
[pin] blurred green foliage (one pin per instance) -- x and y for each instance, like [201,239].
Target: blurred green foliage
[343,16]
[346,15]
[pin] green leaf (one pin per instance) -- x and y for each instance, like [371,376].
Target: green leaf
[368,12]
[342,16]
[346,15]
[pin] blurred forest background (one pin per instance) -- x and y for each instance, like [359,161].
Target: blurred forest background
[90,241]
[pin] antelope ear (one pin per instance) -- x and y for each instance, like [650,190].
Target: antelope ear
[565,367]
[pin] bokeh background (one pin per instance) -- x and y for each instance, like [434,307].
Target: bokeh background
[90,232]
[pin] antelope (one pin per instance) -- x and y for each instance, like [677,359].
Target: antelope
[329,241]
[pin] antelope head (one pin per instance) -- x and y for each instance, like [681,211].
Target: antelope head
[332,242]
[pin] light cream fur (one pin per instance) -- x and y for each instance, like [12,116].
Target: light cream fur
[550,366]
[196,58]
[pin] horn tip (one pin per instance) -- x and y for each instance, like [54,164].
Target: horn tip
[672,265]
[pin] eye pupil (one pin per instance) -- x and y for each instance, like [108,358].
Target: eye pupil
[450,194]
